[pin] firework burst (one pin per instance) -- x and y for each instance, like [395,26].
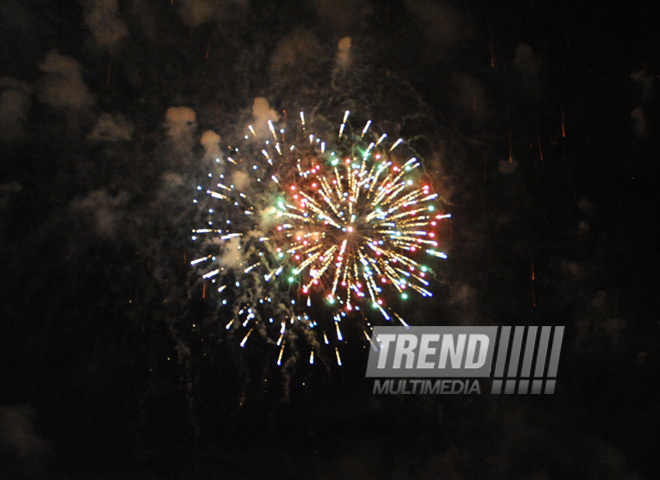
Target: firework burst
[312,229]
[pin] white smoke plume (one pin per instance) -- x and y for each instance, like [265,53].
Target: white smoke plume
[180,125]
[267,217]
[526,62]
[171,180]
[529,67]
[240,180]
[262,112]
[232,255]
[106,210]
[102,19]
[111,128]
[211,143]
[62,85]
[639,127]
[343,58]
[645,81]
[293,54]
[585,205]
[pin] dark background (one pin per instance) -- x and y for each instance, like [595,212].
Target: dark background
[537,121]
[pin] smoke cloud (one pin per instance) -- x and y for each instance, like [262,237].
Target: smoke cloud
[62,85]
[211,143]
[442,25]
[102,19]
[104,209]
[22,450]
[507,167]
[645,81]
[14,107]
[262,112]
[196,12]
[639,126]
[180,125]
[343,59]
[526,62]
[111,128]
[232,256]
[293,54]
[342,14]
[240,180]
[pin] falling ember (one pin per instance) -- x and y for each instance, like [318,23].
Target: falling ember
[246,338]
[333,228]
[540,146]
[563,124]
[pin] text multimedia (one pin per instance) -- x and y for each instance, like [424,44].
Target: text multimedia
[426,386]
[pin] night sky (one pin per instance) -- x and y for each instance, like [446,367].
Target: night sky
[537,123]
